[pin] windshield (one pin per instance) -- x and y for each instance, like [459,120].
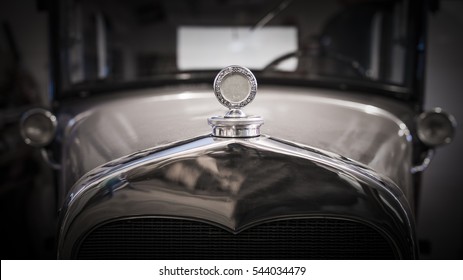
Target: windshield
[138,40]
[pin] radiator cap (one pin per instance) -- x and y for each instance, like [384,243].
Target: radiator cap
[235,87]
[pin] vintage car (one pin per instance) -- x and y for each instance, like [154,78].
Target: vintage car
[308,144]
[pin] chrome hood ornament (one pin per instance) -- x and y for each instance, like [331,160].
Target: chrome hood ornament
[235,87]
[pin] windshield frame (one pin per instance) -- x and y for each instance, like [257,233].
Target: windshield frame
[411,91]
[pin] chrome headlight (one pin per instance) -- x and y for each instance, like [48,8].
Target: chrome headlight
[38,127]
[436,127]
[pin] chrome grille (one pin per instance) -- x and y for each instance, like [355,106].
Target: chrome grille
[166,238]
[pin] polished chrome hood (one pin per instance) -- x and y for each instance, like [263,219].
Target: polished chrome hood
[236,183]
[366,129]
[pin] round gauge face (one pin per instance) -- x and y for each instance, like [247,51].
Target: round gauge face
[235,87]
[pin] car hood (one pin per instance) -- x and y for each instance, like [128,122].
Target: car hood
[367,129]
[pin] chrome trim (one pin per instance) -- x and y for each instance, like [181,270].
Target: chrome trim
[43,112]
[424,163]
[236,127]
[49,159]
[235,182]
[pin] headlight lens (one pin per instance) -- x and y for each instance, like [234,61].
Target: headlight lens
[436,127]
[38,127]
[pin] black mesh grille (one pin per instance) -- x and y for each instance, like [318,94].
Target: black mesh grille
[162,238]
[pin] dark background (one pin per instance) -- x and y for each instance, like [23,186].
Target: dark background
[440,217]
[27,213]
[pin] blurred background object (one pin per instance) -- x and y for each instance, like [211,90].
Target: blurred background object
[28,211]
